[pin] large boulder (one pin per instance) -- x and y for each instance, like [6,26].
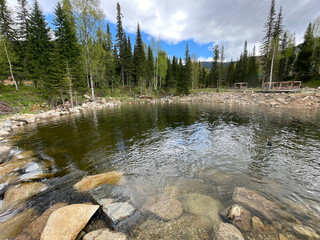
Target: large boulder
[164,206]
[90,182]
[226,231]
[13,226]
[34,230]
[66,222]
[22,192]
[103,234]
[239,216]
[4,152]
[116,202]
[253,200]
[202,205]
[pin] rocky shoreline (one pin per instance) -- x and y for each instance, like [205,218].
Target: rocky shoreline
[112,210]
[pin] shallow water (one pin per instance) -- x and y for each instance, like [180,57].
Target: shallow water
[204,148]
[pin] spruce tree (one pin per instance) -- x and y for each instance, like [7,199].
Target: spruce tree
[149,67]
[267,40]
[120,42]
[253,70]
[215,67]
[139,60]
[6,22]
[230,73]
[39,46]
[304,61]
[221,80]
[180,78]
[23,16]
[187,70]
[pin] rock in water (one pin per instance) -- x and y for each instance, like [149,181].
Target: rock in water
[91,182]
[226,231]
[66,222]
[22,192]
[202,205]
[13,226]
[34,230]
[239,216]
[116,202]
[25,154]
[165,207]
[252,200]
[103,234]
[305,231]
[11,166]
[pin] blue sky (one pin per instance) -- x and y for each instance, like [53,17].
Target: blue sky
[203,22]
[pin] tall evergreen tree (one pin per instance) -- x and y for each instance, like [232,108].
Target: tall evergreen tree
[187,70]
[23,16]
[39,46]
[221,80]
[253,70]
[304,62]
[149,67]
[215,66]
[230,73]
[267,40]
[180,78]
[139,60]
[120,42]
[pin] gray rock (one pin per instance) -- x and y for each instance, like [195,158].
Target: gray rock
[4,152]
[305,231]
[116,202]
[7,124]
[226,231]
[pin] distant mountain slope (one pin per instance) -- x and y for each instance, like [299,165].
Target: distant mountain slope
[209,64]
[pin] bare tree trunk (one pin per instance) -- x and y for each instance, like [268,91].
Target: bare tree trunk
[157,75]
[10,66]
[70,85]
[271,70]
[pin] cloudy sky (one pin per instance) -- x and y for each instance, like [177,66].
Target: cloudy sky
[202,23]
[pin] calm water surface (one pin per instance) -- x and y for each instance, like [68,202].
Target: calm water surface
[200,147]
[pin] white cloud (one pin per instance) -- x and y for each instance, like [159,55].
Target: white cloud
[203,59]
[228,22]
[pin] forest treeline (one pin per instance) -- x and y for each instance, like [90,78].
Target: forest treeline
[79,54]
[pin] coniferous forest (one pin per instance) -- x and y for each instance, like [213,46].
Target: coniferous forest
[79,55]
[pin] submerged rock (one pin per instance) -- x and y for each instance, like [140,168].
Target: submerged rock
[66,222]
[305,231]
[239,216]
[13,226]
[226,231]
[4,152]
[103,234]
[25,154]
[164,206]
[34,230]
[11,166]
[22,192]
[256,202]
[90,182]
[202,205]
[186,227]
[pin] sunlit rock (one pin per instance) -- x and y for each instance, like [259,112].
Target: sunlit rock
[22,192]
[66,222]
[91,182]
[4,152]
[164,206]
[202,205]
[34,230]
[103,234]
[226,231]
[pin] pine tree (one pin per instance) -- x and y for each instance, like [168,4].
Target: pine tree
[6,22]
[128,62]
[187,70]
[221,80]
[230,73]
[139,60]
[180,78]
[23,16]
[253,70]
[303,63]
[39,46]
[7,38]
[267,40]
[215,66]
[149,67]
[120,42]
